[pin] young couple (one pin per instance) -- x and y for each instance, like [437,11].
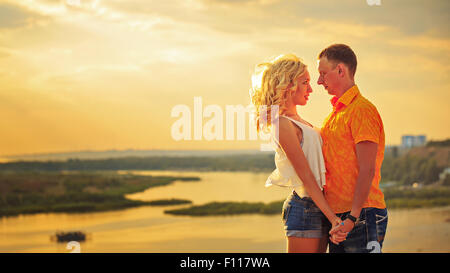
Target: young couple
[334,171]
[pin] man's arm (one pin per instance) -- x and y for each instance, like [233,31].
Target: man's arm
[366,153]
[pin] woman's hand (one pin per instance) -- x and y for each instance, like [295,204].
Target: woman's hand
[337,233]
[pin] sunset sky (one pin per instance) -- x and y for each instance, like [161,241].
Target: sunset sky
[105,74]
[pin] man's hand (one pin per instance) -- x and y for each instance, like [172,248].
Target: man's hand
[366,153]
[338,233]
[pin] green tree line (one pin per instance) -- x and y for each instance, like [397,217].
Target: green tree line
[405,169]
[35,192]
[410,169]
[443,143]
[220,163]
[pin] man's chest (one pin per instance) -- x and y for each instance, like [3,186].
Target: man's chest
[337,127]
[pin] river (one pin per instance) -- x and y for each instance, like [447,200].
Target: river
[148,229]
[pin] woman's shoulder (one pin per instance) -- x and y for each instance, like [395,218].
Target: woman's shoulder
[287,127]
[285,123]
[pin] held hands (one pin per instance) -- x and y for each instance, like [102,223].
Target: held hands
[340,230]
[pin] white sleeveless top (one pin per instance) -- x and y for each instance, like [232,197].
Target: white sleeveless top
[284,175]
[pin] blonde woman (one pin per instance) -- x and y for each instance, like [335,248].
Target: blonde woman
[285,83]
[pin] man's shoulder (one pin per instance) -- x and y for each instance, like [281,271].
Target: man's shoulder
[361,103]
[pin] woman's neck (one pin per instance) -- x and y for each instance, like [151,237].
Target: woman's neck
[291,112]
[295,115]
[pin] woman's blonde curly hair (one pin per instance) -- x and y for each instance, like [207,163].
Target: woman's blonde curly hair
[272,83]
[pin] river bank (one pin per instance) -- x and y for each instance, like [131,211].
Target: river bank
[72,192]
[149,229]
[396,197]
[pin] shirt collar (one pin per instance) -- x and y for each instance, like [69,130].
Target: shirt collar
[346,98]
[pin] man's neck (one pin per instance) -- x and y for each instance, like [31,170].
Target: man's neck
[345,88]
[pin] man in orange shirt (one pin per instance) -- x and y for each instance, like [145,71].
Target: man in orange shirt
[353,148]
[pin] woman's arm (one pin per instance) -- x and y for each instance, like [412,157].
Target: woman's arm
[290,143]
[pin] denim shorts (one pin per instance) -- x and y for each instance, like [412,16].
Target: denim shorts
[302,218]
[368,234]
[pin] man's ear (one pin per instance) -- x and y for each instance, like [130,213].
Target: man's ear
[341,70]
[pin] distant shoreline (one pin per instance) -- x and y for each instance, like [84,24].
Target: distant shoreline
[237,208]
[91,155]
[396,198]
[28,192]
[77,192]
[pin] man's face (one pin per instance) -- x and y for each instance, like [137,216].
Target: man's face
[328,76]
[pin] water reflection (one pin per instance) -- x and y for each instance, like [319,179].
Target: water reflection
[215,186]
[148,229]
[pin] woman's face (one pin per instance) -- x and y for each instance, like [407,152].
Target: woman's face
[300,96]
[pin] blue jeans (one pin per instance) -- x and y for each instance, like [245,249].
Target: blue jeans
[302,218]
[368,234]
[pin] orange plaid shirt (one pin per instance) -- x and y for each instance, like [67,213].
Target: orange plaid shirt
[354,119]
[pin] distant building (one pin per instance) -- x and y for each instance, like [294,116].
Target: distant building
[444,173]
[409,141]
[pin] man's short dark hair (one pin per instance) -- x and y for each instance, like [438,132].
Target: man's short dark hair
[340,53]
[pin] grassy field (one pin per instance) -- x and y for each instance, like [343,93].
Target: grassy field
[229,208]
[36,192]
[396,197]
[406,197]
